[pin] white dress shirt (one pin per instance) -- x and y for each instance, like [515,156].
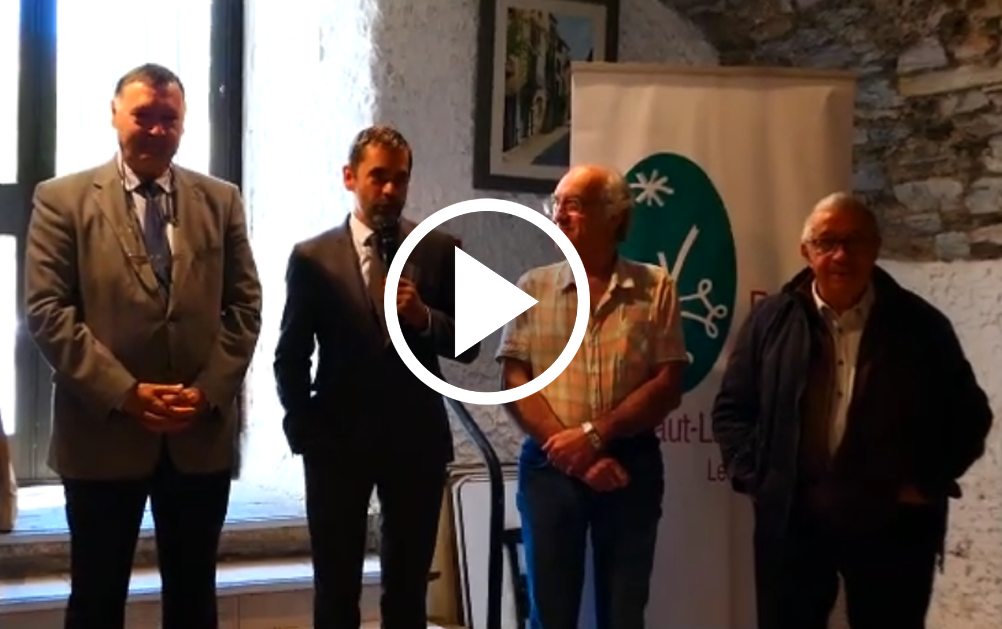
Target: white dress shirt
[367,256]
[137,201]
[847,331]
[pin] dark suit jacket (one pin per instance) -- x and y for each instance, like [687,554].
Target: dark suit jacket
[363,398]
[94,310]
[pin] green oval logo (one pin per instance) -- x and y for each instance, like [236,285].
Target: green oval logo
[680,223]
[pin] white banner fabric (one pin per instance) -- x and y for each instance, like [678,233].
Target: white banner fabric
[725,164]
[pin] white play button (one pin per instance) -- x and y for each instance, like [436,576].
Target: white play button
[485,301]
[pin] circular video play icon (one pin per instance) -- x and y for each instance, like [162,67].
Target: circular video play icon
[485,301]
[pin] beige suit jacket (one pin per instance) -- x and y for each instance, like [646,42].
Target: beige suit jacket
[95,312]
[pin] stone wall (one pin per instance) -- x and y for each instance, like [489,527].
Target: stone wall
[929,156]
[929,123]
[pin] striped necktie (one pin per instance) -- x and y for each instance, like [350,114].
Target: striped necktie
[374,279]
[155,233]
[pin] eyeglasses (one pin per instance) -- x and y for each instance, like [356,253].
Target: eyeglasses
[570,205]
[851,245]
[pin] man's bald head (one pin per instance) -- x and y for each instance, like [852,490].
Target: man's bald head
[603,187]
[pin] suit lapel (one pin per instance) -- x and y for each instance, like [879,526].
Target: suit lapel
[187,198]
[411,270]
[347,267]
[109,196]
[344,259]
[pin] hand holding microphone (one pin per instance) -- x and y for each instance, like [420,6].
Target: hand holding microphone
[411,309]
[387,227]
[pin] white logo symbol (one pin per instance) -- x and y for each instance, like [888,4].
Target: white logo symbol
[474,303]
[652,188]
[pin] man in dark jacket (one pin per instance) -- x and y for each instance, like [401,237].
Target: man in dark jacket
[358,415]
[847,413]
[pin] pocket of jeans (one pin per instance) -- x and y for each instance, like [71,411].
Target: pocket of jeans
[533,456]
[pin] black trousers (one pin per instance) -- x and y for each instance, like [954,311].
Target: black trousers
[339,486]
[888,574]
[104,518]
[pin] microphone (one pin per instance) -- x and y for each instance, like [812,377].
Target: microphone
[388,233]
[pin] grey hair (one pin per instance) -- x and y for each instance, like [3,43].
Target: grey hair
[618,200]
[838,202]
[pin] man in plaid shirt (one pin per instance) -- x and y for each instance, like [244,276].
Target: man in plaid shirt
[591,461]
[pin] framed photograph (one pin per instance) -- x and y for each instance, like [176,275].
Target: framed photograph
[521,139]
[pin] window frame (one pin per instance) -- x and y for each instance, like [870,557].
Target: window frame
[36,159]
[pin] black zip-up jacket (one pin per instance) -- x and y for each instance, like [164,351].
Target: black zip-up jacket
[918,415]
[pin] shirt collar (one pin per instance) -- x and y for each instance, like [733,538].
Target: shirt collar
[621,276]
[861,309]
[132,181]
[360,232]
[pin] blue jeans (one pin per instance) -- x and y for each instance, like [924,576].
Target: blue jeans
[558,511]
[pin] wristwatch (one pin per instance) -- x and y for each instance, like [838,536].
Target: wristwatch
[592,434]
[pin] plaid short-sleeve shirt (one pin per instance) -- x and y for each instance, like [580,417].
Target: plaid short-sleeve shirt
[636,327]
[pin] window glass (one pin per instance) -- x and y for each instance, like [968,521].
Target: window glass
[101,40]
[10,68]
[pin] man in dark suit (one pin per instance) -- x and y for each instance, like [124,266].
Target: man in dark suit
[848,412]
[365,420]
[143,295]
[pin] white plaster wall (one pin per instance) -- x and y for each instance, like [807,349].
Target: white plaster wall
[969,594]
[308,91]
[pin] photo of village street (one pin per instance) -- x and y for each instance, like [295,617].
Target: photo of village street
[540,48]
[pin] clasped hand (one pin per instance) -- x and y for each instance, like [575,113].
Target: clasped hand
[409,305]
[164,408]
[572,452]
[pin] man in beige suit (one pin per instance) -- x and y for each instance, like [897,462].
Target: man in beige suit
[143,295]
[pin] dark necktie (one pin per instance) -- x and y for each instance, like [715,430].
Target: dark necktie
[155,234]
[374,279]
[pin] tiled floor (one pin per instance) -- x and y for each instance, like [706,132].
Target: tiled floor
[260,595]
[233,579]
[253,595]
[375,625]
[41,508]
